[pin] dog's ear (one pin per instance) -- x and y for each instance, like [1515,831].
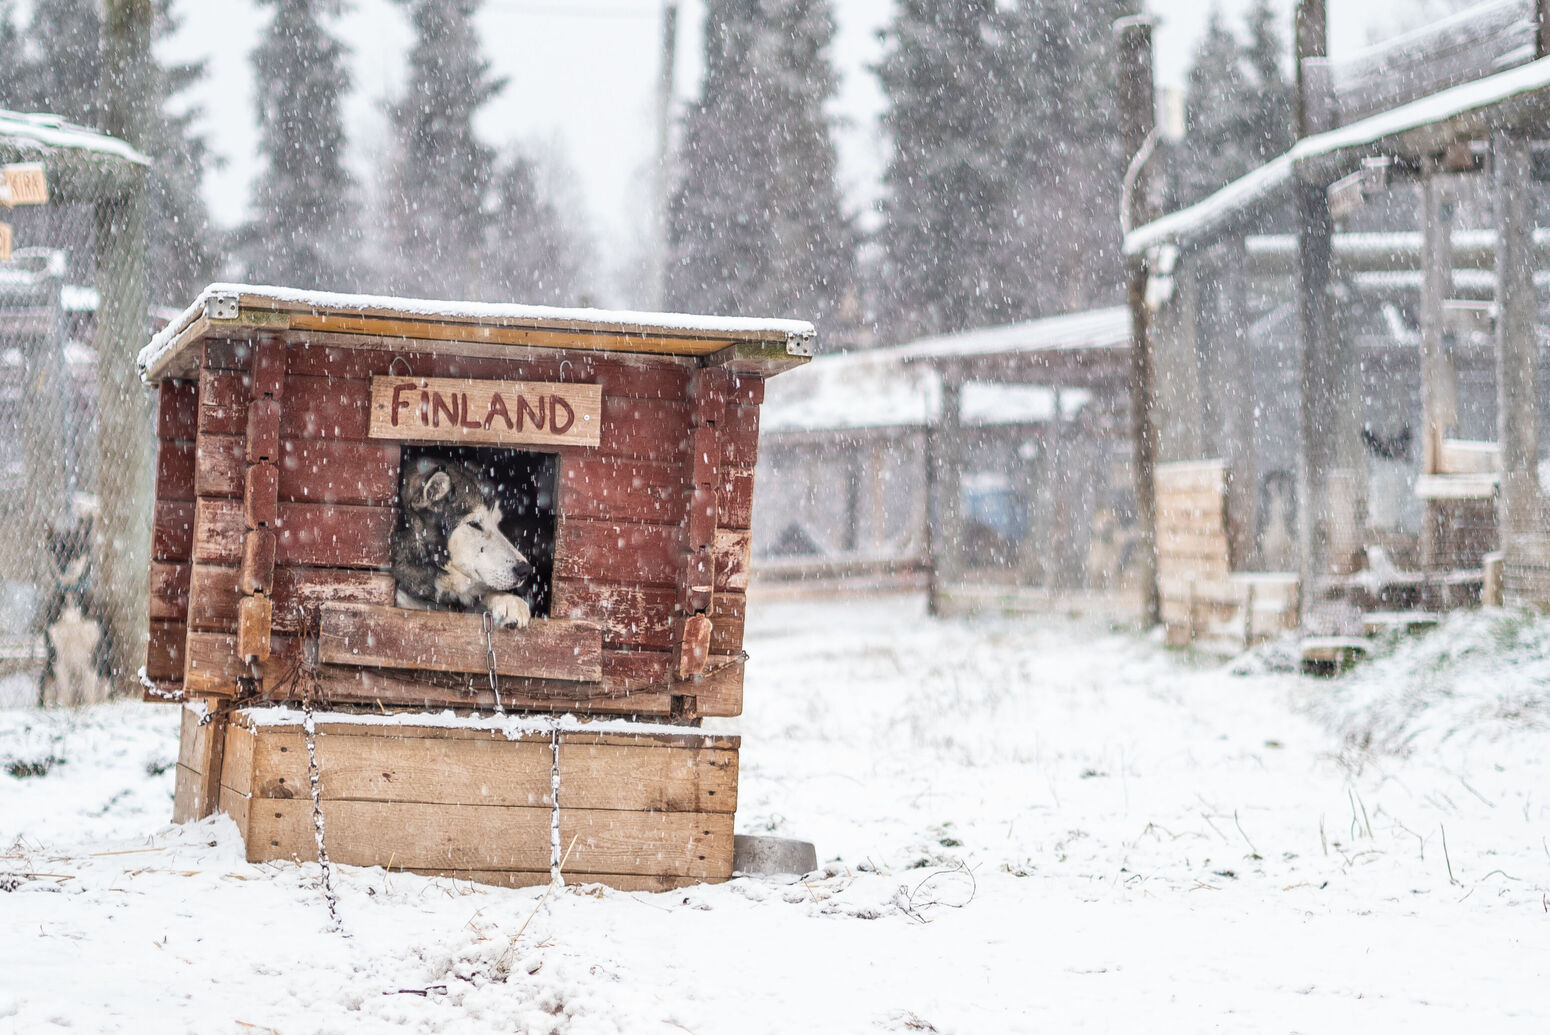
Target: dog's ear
[435,489]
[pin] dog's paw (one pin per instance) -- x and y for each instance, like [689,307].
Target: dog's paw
[508,609]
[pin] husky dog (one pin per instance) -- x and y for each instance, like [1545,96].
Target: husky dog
[448,548]
[75,628]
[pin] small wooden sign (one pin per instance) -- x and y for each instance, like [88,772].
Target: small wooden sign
[5,242]
[444,409]
[25,184]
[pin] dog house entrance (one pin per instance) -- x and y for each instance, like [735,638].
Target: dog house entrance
[524,484]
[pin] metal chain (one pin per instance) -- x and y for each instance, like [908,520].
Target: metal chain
[555,879]
[314,777]
[489,658]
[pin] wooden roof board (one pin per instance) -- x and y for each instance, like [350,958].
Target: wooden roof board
[751,345]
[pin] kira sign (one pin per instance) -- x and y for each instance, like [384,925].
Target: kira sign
[444,409]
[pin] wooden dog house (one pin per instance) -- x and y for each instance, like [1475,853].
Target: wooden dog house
[282,422]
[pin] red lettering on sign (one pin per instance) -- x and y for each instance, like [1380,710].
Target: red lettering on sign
[536,416]
[440,406]
[497,409]
[465,422]
[555,403]
[398,405]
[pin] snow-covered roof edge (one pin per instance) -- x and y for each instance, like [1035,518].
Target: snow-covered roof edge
[52,131]
[1087,328]
[1243,194]
[161,348]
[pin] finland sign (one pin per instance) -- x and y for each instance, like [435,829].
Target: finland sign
[444,409]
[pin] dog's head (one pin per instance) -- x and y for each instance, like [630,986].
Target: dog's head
[70,548]
[460,517]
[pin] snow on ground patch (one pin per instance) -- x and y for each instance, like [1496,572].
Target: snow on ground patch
[1022,825]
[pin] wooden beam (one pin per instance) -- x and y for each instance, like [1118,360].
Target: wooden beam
[1138,116]
[1518,505]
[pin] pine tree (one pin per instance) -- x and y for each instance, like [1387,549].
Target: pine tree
[13,60]
[1001,191]
[534,252]
[305,221]
[442,172]
[1238,105]
[756,225]
[66,62]
[184,251]
[950,179]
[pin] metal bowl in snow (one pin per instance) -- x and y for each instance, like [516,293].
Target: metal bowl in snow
[772,856]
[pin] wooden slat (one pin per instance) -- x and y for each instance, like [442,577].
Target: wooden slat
[268,378]
[637,553]
[169,591]
[610,489]
[177,409]
[734,558]
[320,356]
[223,402]
[631,616]
[692,649]
[719,690]
[327,407]
[727,615]
[338,471]
[174,470]
[335,535]
[211,665]
[449,771]
[219,466]
[164,653]
[1191,476]
[734,497]
[218,531]
[229,354]
[446,641]
[263,431]
[412,834]
[644,429]
[260,496]
[254,625]
[295,590]
[740,436]
[258,562]
[237,764]
[172,530]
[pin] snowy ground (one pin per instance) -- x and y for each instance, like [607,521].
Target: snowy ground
[1026,825]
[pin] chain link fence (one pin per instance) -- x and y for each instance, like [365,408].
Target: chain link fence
[75,431]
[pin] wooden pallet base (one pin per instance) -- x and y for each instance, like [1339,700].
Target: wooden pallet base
[643,809]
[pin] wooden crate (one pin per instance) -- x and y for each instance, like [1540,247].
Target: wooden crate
[648,809]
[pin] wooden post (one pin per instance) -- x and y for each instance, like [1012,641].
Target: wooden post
[944,467]
[1175,340]
[1518,409]
[124,468]
[1236,376]
[1059,476]
[1315,239]
[1437,409]
[1138,117]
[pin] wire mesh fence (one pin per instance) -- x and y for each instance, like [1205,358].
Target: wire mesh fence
[74,421]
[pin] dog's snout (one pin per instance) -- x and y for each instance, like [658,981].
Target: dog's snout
[521,570]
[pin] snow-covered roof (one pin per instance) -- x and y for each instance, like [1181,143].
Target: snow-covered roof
[1243,196]
[496,323]
[1090,329]
[51,131]
[879,389]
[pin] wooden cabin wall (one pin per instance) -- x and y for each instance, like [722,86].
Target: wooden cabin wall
[172,528]
[620,551]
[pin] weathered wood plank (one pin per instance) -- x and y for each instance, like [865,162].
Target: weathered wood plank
[263,431]
[631,616]
[174,470]
[412,834]
[177,409]
[223,402]
[469,411]
[734,497]
[692,649]
[335,535]
[253,627]
[728,613]
[294,590]
[448,641]
[218,531]
[172,530]
[610,489]
[718,691]
[327,407]
[636,553]
[734,558]
[740,436]
[164,652]
[219,466]
[268,377]
[447,771]
[366,358]
[169,591]
[211,666]
[338,471]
